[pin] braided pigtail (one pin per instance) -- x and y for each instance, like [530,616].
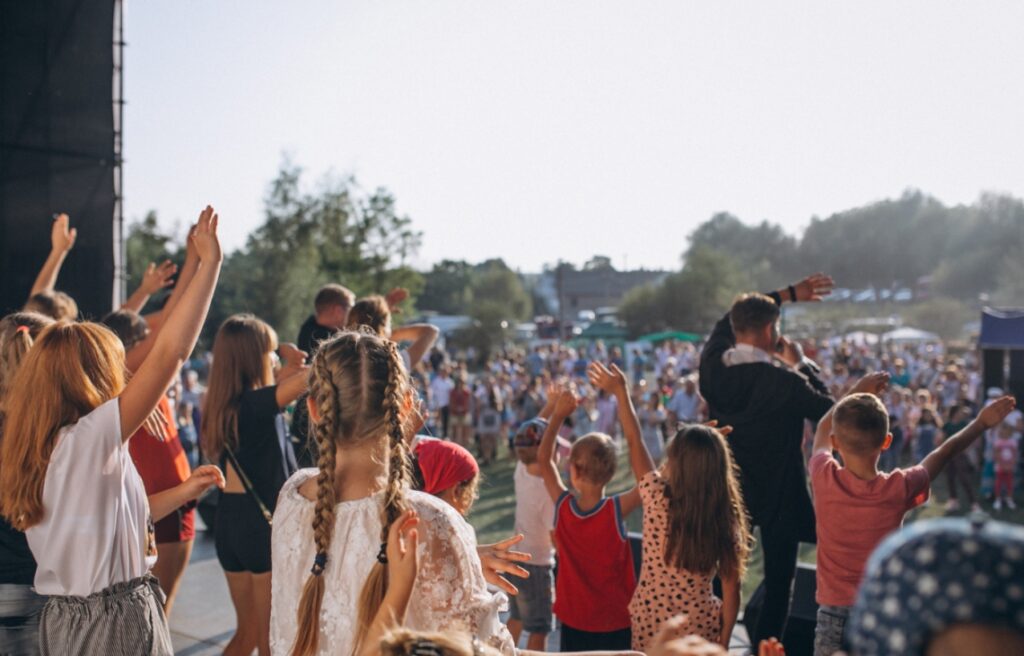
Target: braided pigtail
[395,503]
[307,637]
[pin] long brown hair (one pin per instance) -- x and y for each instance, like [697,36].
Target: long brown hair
[707,527]
[241,362]
[71,370]
[359,386]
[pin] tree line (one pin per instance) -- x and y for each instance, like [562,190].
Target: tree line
[339,232]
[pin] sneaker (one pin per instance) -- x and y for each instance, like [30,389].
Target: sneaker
[998,505]
[1010,504]
[952,504]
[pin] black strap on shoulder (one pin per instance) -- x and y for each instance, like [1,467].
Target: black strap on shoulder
[267,515]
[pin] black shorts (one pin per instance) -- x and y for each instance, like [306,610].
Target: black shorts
[577,640]
[241,535]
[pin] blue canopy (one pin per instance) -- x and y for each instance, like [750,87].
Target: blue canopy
[1002,329]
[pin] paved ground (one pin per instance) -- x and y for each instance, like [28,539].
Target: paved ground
[204,620]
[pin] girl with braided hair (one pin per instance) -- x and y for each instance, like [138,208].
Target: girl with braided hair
[331,524]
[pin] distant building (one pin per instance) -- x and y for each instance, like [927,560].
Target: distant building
[593,290]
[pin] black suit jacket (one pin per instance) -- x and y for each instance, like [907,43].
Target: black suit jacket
[766,405]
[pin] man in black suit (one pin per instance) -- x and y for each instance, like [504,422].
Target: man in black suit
[760,383]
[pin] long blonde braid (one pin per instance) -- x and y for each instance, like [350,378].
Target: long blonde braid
[395,504]
[307,637]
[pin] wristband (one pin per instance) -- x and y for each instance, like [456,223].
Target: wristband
[792,293]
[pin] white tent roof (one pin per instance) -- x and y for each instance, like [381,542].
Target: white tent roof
[909,335]
[857,338]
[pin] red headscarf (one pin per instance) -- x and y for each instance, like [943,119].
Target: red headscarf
[444,465]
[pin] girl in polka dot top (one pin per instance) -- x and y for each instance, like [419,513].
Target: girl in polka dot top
[695,527]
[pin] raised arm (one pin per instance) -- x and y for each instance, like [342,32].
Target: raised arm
[422,336]
[62,240]
[564,407]
[175,343]
[154,279]
[293,376]
[155,320]
[990,417]
[613,381]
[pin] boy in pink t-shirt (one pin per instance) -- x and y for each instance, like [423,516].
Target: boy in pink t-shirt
[857,506]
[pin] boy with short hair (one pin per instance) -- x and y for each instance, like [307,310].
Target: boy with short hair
[856,506]
[530,610]
[596,577]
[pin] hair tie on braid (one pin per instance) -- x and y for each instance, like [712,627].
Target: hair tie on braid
[425,648]
[22,329]
[382,555]
[319,563]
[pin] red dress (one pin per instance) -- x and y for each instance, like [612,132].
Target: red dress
[163,465]
[595,566]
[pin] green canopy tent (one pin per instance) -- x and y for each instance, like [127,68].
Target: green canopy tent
[604,331]
[666,335]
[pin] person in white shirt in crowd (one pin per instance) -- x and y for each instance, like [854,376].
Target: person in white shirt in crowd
[441,389]
[685,406]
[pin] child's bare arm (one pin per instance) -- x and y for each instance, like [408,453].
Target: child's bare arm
[422,336]
[62,240]
[564,407]
[991,416]
[613,381]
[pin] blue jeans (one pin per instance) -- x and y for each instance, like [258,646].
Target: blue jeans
[828,632]
[19,619]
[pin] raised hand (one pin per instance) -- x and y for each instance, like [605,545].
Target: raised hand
[291,354]
[724,430]
[874,383]
[610,380]
[771,647]
[204,238]
[813,288]
[157,277]
[62,238]
[403,559]
[995,412]
[394,297]
[190,246]
[498,559]
[566,404]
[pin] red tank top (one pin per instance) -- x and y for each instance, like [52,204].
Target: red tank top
[162,465]
[595,566]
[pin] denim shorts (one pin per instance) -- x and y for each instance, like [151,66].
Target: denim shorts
[828,633]
[532,606]
[20,609]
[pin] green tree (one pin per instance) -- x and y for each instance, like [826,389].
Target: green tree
[147,242]
[448,288]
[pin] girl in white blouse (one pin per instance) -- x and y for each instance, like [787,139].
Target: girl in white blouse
[331,523]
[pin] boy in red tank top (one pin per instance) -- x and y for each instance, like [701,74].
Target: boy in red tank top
[595,564]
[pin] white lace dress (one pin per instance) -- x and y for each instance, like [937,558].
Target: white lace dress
[450,592]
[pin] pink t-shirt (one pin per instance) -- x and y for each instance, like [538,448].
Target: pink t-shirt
[853,517]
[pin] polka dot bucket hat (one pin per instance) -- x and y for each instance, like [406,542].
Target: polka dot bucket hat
[934,574]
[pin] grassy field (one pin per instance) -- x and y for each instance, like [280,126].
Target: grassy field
[494,513]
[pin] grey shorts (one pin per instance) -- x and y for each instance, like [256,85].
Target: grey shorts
[828,632]
[532,606]
[125,619]
[19,620]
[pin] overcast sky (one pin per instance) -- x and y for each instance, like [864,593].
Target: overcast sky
[535,131]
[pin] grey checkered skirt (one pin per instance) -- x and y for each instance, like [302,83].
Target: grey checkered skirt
[126,619]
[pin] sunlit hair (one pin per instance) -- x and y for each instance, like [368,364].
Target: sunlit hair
[359,387]
[751,312]
[406,642]
[860,423]
[17,333]
[372,312]
[593,456]
[71,369]
[707,527]
[128,325]
[241,362]
[333,295]
[56,305]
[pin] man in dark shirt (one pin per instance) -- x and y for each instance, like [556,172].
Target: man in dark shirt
[762,385]
[331,307]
